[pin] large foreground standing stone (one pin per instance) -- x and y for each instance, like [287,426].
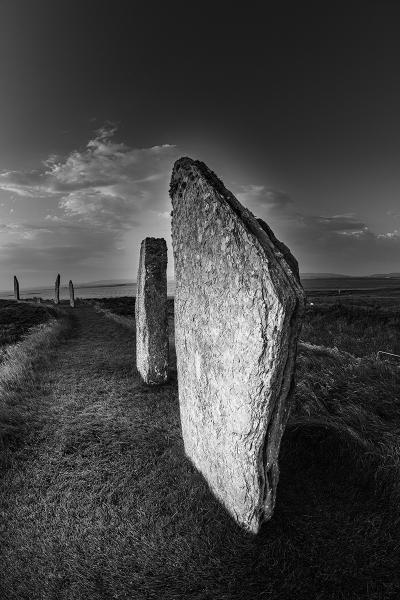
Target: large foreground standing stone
[57,290]
[16,288]
[151,312]
[238,306]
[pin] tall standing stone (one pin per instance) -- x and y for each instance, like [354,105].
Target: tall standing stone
[16,288]
[57,290]
[151,312]
[71,294]
[238,307]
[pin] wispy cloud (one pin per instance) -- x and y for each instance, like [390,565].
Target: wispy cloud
[94,195]
[107,184]
[341,242]
[261,196]
[99,193]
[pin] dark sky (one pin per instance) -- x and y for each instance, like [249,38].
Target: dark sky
[296,107]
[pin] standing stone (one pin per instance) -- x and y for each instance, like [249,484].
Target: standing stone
[16,288]
[71,294]
[57,290]
[238,308]
[151,312]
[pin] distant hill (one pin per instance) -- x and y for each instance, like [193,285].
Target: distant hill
[386,275]
[323,276]
[110,282]
[338,276]
[106,282]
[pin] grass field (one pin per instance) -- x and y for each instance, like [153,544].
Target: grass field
[16,318]
[125,305]
[98,500]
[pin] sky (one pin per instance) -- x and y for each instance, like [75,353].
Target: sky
[294,106]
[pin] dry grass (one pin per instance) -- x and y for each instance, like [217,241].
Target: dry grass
[16,318]
[19,381]
[126,321]
[361,327]
[101,503]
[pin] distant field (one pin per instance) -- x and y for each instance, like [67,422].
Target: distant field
[16,318]
[352,283]
[359,323]
[124,305]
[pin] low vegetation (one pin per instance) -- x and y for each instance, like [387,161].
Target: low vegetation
[16,318]
[101,503]
[125,305]
[359,326]
[20,382]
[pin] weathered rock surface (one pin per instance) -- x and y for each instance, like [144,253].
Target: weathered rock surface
[57,290]
[16,288]
[71,294]
[238,307]
[151,312]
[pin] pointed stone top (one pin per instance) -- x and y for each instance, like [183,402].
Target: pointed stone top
[187,171]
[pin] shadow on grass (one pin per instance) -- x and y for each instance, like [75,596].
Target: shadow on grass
[334,534]
[330,534]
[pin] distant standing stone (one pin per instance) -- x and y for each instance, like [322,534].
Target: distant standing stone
[16,288]
[71,294]
[151,312]
[57,290]
[238,307]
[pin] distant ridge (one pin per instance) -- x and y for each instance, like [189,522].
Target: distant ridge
[106,282]
[338,276]
[111,282]
[324,276]
[386,275]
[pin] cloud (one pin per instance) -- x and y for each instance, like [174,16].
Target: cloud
[27,258]
[338,242]
[24,231]
[29,183]
[393,213]
[261,197]
[108,184]
[339,224]
[98,193]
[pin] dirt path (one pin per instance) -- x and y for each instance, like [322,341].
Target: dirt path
[62,500]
